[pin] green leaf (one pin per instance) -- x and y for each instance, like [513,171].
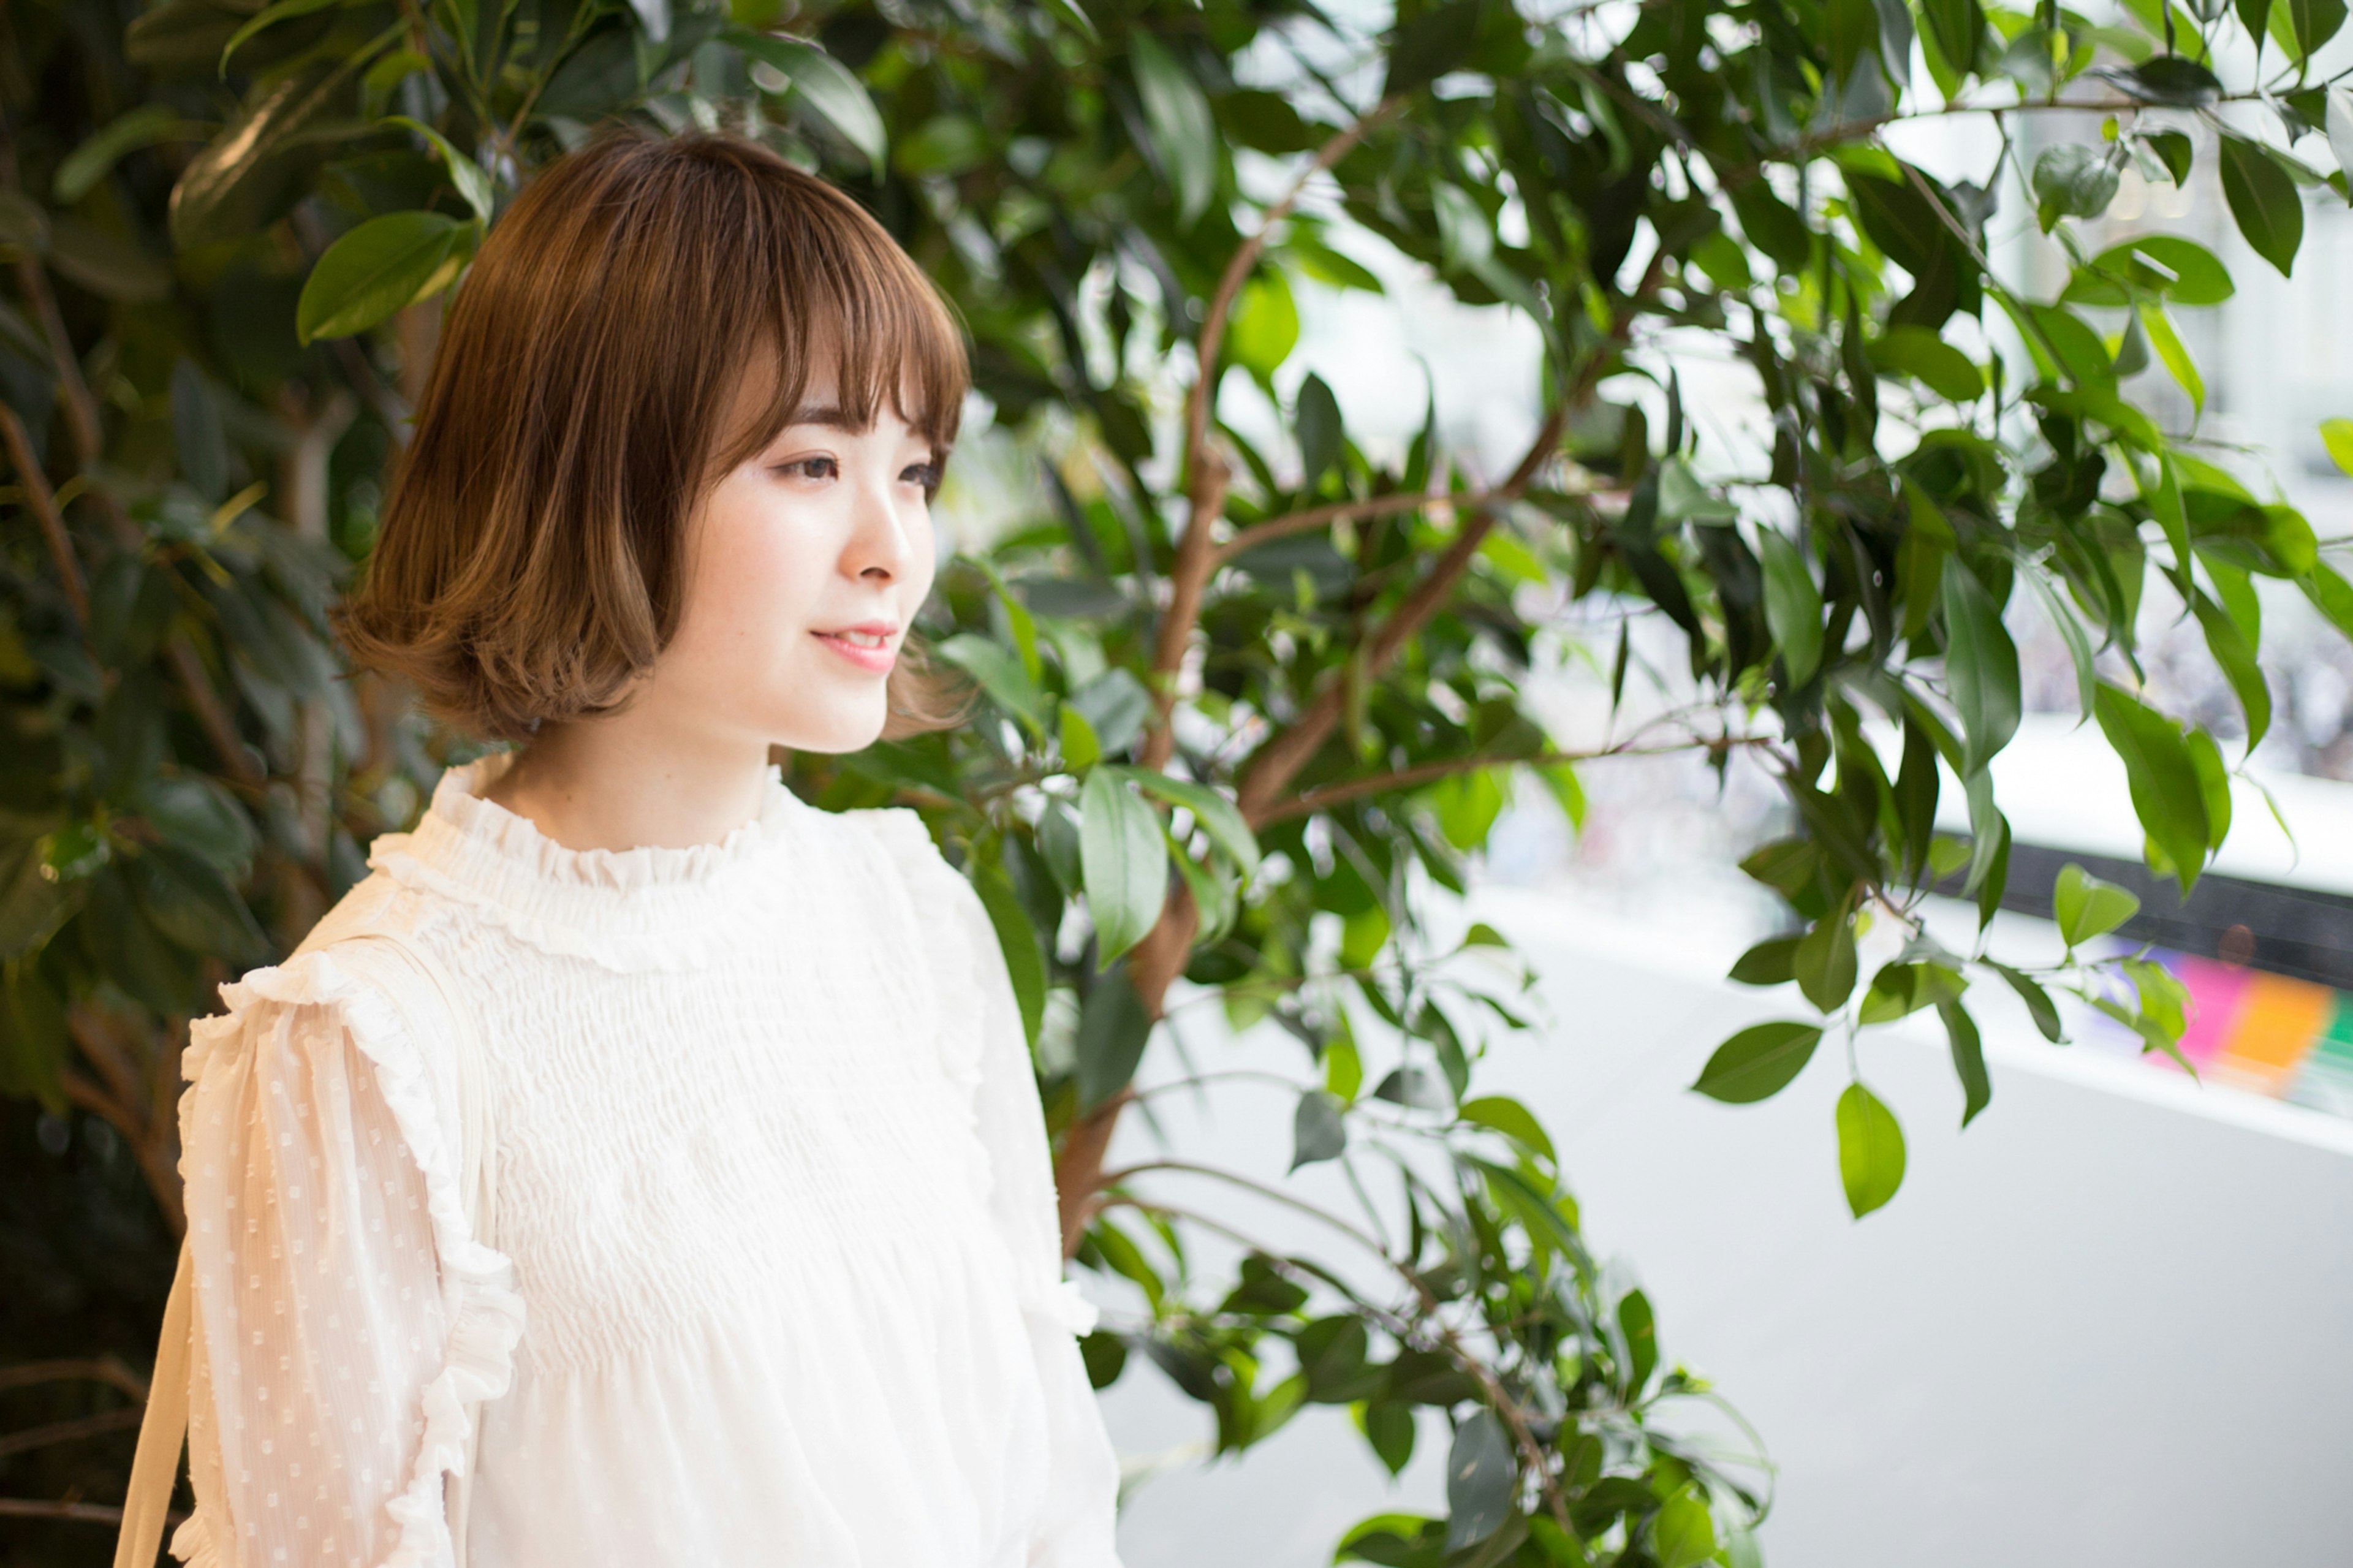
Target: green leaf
[1113,1029]
[1772,961]
[1182,131]
[2314,22]
[1319,427]
[1000,672]
[2339,121]
[79,171]
[2167,795]
[1640,1323]
[2039,1004]
[1503,1114]
[2262,200]
[1969,1059]
[198,439]
[269,16]
[2173,356]
[1772,226]
[1219,818]
[1824,961]
[1079,747]
[2336,435]
[1980,666]
[1265,325]
[1017,938]
[1758,1062]
[473,185]
[2182,271]
[1389,1427]
[1793,606]
[1957,28]
[1481,1480]
[1903,989]
[2072,180]
[1871,1150]
[2086,907]
[826,85]
[1433,43]
[1684,1534]
[1126,862]
[1920,353]
[259,166]
[2171,79]
[1318,1132]
[374,271]
[1468,804]
[2234,653]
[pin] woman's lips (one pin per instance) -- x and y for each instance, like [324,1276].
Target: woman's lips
[869,652]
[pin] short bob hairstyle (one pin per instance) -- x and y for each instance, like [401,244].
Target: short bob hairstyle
[531,561]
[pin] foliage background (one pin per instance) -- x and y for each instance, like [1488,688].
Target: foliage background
[1250,702]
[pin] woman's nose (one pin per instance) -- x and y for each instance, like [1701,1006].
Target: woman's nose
[880,543]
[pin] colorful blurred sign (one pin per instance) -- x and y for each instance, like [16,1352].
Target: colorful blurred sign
[2290,1039]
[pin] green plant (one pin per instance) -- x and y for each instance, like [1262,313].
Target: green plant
[1237,696]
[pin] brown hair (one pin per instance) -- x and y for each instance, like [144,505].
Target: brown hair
[531,563]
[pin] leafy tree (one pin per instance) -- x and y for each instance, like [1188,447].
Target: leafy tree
[1231,687]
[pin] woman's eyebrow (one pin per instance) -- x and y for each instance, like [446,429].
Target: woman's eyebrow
[829,416]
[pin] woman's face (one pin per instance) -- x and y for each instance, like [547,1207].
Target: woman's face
[805,566]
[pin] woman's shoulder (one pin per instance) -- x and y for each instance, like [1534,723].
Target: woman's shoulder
[345,969]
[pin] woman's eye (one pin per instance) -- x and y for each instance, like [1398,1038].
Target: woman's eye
[924,474]
[812,467]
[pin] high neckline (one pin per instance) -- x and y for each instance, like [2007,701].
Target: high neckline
[653,905]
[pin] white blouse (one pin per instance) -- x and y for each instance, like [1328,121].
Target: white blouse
[777,1278]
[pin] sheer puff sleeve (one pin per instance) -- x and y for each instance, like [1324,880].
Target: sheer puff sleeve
[985,1047]
[345,1318]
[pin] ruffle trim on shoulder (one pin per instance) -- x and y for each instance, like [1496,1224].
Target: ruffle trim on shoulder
[193,1542]
[933,887]
[486,1314]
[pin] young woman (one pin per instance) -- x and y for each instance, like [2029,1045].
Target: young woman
[773,1276]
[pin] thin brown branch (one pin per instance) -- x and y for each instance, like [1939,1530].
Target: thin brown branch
[43,503]
[1206,473]
[1310,518]
[1279,760]
[1239,267]
[219,729]
[105,1369]
[80,1427]
[1329,795]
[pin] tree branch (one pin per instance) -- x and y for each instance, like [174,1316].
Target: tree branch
[1206,473]
[103,1369]
[43,503]
[1309,519]
[1279,760]
[80,1427]
[1406,778]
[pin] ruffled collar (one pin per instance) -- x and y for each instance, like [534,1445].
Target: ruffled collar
[651,907]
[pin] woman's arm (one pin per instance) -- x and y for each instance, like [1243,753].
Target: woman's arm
[1077,1529]
[321,1421]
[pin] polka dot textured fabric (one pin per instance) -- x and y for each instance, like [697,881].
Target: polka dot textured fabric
[777,1277]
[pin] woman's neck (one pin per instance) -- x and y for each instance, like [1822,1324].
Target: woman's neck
[621,782]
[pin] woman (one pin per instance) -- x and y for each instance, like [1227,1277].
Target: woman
[775,1275]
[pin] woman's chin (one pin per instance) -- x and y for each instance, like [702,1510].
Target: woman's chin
[841,726]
